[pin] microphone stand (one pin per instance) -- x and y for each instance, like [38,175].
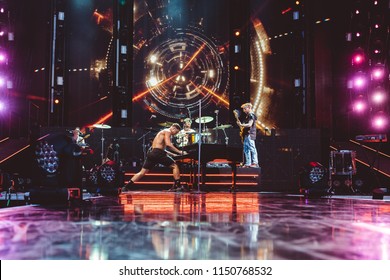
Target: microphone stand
[102,139]
[199,142]
[226,137]
[216,125]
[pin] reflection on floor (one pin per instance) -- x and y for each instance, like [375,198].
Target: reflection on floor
[215,225]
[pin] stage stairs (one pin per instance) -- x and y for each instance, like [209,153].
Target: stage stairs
[218,178]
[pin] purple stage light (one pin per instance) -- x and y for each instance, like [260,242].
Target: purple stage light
[359,81]
[2,106]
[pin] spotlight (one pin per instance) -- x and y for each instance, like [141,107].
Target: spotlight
[108,172]
[109,177]
[3,58]
[378,72]
[359,81]
[380,121]
[358,59]
[378,96]
[359,105]
[2,106]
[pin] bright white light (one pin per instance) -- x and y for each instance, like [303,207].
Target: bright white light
[359,82]
[357,59]
[153,59]
[378,96]
[153,81]
[380,121]
[359,106]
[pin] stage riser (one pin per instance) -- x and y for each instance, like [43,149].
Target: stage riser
[216,179]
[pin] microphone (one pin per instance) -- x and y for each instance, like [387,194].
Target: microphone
[189,112]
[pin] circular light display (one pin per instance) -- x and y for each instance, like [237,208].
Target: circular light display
[183,70]
[47,157]
[178,65]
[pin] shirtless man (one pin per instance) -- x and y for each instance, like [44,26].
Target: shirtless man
[158,155]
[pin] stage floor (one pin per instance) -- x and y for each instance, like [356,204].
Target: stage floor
[146,225]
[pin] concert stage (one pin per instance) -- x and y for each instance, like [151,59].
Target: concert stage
[158,225]
[264,217]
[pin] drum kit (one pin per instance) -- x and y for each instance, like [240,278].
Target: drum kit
[102,127]
[208,136]
[107,173]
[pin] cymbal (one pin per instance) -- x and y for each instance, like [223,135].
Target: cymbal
[223,126]
[205,119]
[102,126]
[165,124]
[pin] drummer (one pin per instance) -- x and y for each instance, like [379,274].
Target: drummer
[78,137]
[184,134]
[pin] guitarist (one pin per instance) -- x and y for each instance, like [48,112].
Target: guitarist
[248,135]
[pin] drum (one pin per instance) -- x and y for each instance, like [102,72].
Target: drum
[185,139]
[343,162]
[208,136]
[193,138]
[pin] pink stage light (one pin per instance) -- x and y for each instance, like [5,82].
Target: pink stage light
[359,81]
[378,72]
[358,59]
[359,105]
[380,121]
[378,96]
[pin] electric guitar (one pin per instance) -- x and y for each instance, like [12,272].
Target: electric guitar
[237,116]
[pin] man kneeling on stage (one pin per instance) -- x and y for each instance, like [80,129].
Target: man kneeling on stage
[158,155]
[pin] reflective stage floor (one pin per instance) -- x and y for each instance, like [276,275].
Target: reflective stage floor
[147,225]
